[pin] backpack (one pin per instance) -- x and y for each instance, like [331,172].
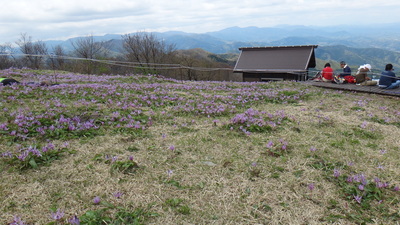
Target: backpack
[350,79]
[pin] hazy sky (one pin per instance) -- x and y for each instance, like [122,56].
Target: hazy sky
[62,19]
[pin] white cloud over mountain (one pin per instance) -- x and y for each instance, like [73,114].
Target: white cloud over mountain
[57,19]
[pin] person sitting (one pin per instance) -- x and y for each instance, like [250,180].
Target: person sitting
[362,76]
[388,78]
[327,73]
[346,69]
[8,81]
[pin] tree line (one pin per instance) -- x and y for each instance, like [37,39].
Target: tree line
[139,53]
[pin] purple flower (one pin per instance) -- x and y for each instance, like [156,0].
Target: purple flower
[336,173]
[313,149]
[254,164]
[170,172]
[363,179]
[270,144]
[117,194]
[360,178]
[364,124]
[65,144]
[382,185]
[23,156]
[34,151]
[96,200]
[349,179]
[130,158]
[3,126]
[396,188]
[6,155]
[45,149]
[382,151]
[357,198]
[172,147]
[58,215]
[17,221]
[74,220]
[311,186]
[361,187]
[114,158]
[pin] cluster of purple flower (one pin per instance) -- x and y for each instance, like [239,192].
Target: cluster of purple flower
[357,178]
[253,120]
[24,153]
[59,214]
[25,124]
[278,149]
[364,185]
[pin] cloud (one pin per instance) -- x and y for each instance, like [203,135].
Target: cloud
[52,19]
[69,11]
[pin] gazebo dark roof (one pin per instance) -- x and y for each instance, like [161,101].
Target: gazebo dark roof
[276,59]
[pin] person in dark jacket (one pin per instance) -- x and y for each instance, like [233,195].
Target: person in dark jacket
[388,78]
[346,69]
[8,81]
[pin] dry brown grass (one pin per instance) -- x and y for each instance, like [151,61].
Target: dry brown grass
[212,167]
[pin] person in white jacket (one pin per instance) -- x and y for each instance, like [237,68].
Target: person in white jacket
[362,76]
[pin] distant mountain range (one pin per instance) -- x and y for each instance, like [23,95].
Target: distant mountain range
[374,44]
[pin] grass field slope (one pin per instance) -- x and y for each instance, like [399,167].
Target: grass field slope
[135,149]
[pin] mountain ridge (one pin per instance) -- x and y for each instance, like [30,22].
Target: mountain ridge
[381,42]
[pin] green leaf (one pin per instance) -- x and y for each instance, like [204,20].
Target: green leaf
[107,204]
[32,162]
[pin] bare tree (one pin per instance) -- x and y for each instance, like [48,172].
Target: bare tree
[145,49]
[6,59]
[89,49]
[56,61]
[57,58]
[34,51]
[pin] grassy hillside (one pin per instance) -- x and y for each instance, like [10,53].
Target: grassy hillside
[131,149]
[204,57]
